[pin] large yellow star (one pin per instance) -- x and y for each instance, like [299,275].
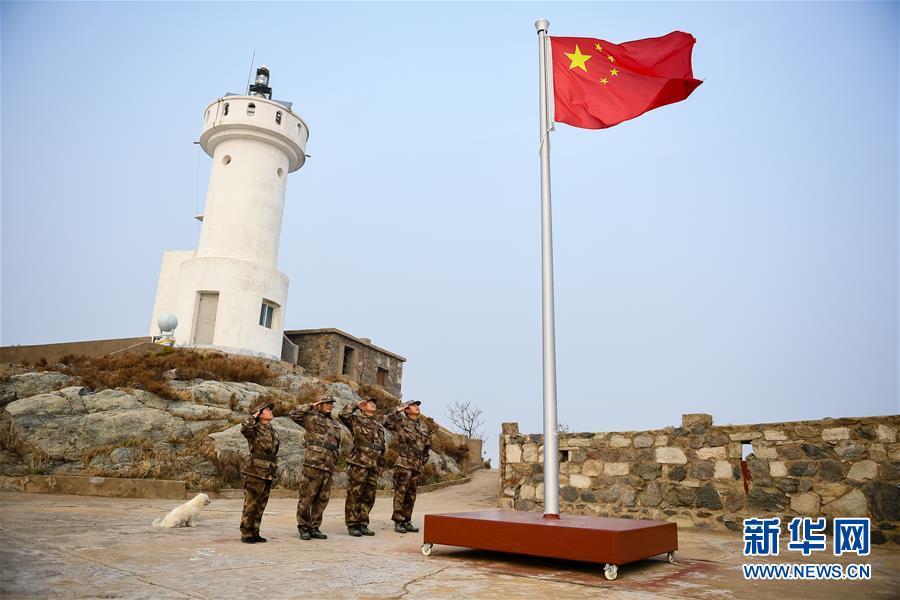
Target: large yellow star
[578,59]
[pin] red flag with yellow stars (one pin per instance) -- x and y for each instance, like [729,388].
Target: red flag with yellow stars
[598,84]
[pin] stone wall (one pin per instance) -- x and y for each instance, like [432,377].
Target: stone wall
[321,354]
[52,353]
[694,475]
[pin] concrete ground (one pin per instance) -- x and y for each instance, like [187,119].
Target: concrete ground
[90,547]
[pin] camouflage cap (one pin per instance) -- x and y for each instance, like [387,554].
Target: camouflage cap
[325,400]
[261,404]
[412,403]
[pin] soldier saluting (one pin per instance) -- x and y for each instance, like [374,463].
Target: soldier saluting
[413,447]
[259,471]
[323,442]
[365,462]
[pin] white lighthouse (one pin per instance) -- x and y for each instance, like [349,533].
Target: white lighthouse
[228,294]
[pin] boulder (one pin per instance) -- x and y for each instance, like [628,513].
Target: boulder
[708,453]
[849,450]
[677,473]
[670,455]
[853,504]
[884,500]
[652,495]
[806,504]
[66,423]
[643,441]
[648,470]
[225,394]
[830,470]
[26,385]
[231,450]
[708,497]
[760,499]
[618,494]
[836,433]
[863,471]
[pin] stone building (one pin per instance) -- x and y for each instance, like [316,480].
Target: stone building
[712,477]
[324,352]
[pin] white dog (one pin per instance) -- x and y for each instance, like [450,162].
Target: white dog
[184,515]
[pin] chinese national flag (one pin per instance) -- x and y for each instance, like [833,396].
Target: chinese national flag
[598,84]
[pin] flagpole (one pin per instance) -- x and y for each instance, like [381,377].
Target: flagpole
[551,445]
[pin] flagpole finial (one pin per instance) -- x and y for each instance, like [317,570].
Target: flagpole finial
[542,25]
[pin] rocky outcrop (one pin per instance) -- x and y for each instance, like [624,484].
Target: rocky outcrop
[25,385]
[135,433]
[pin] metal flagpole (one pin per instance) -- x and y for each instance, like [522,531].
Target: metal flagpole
[551,445]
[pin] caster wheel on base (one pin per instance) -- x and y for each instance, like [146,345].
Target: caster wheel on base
[670,556]
[611,572]
[426,549]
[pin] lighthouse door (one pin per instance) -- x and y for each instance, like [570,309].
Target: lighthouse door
[207,305]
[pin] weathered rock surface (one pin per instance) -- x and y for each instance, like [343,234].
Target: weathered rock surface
[26,385]
[63,424]
[138,434]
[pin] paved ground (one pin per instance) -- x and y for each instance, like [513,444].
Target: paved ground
[87,547]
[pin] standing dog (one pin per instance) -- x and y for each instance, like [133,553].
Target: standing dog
[184,515]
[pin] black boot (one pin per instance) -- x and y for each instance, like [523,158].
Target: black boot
[366,531]
[259,539]
[318,534]
[354,531]
[411,528]
[248,540]
[399,527]
[305,535]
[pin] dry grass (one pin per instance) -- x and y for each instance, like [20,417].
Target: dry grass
[38,463]
[146,372]
[444,444]
[160,462]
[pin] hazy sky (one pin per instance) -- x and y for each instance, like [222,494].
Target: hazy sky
[736,253]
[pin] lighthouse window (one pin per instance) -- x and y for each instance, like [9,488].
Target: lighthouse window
[278,118]
[251,109]
[226,109]
[266,313]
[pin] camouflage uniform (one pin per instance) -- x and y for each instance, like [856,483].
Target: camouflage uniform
[258,472]
[366,460]
[323,442]
[413,447]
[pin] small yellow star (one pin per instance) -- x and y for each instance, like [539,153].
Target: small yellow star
[598,47]
[610,57]
[603,80]
[578,59]
[613,72]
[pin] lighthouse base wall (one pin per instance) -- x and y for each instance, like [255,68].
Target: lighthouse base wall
[166,288]
[218,303]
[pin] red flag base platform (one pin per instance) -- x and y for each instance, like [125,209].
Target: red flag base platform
[608,541]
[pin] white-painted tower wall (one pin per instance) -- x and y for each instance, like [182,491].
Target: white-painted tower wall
[218,293]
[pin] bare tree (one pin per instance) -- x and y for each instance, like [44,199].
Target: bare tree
[467,418]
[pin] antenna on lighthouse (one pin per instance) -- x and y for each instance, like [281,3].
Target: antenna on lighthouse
[250,72]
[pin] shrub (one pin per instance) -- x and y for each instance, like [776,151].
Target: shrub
[444,444]
[146,372]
